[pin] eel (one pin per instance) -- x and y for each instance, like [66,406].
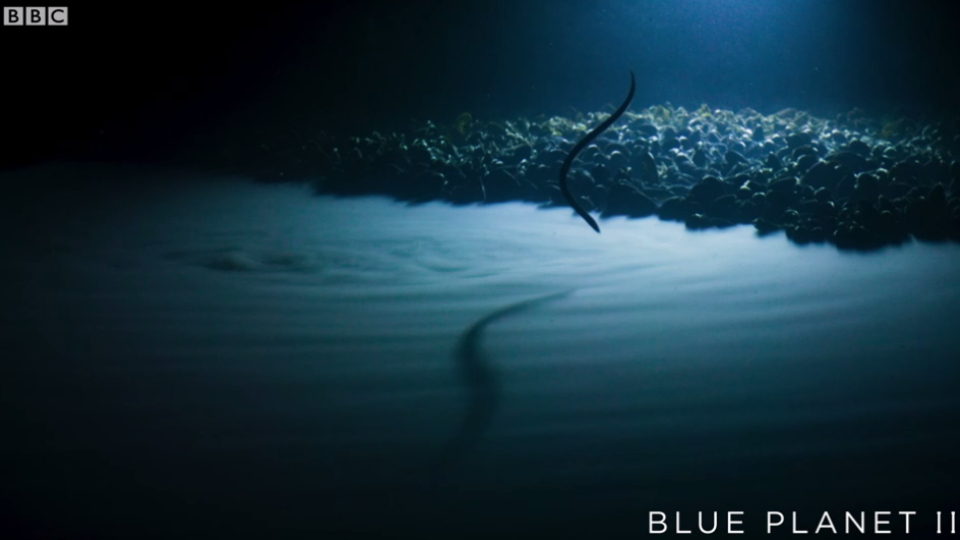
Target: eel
[583,144]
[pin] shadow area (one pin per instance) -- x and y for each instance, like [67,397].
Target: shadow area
[482,383]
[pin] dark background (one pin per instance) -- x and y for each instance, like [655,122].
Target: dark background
[160,83]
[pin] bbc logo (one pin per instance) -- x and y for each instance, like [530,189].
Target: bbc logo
[34,16]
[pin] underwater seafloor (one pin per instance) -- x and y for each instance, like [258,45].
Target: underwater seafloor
[191,356]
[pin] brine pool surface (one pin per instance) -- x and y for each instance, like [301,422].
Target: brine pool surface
[189,355]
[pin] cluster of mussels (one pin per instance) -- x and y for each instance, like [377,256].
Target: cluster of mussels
[853,181]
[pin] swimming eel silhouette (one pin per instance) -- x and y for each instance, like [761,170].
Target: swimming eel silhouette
[565,168]
[481,380]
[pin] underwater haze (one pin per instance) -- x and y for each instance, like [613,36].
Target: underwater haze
[295,69]
[533,269]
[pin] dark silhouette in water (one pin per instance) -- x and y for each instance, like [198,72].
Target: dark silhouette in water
[481,380]
[583,144]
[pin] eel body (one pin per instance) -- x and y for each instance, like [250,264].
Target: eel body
[583,144]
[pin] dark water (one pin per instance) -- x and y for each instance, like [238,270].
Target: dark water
[224,359]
